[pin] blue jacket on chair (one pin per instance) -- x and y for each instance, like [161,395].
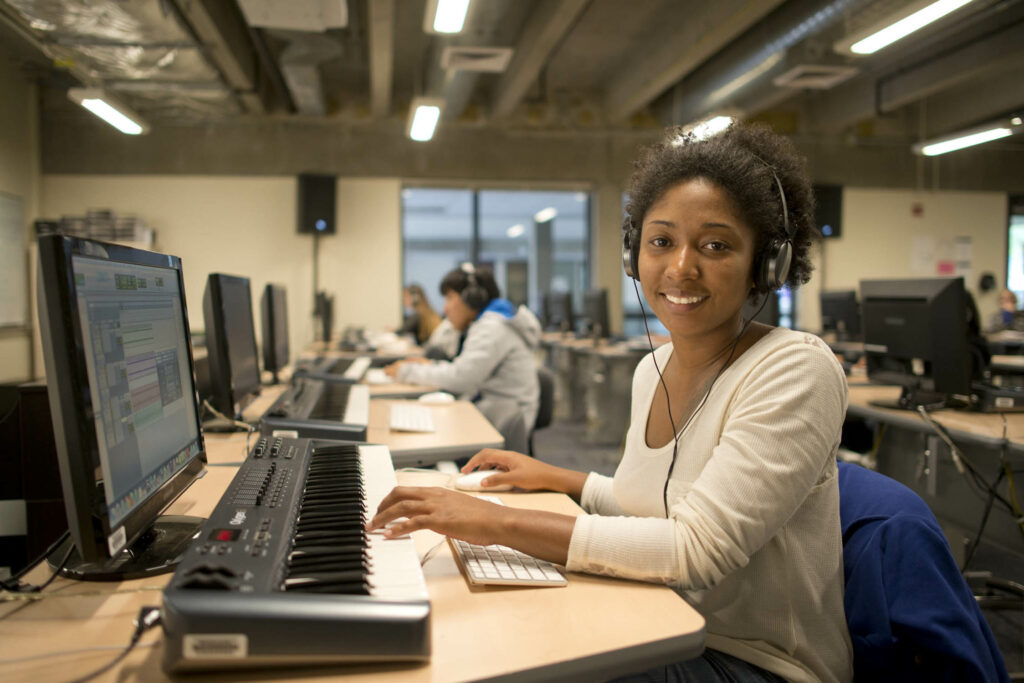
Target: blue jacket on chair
[911,614]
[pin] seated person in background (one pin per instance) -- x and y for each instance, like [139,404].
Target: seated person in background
[727,489]
[1003,318]
[420,319]
[494,366]
[444,342]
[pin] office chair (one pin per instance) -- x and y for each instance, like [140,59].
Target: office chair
[910,613]
[546,404]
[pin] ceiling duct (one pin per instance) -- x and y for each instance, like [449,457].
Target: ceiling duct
[119,44]
[300,65]
[758,54]
[296,15]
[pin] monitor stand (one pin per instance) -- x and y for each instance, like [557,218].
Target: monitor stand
[156,551]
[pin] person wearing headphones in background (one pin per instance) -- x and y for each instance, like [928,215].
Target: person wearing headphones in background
[494,364]
[420,317]
[727,489]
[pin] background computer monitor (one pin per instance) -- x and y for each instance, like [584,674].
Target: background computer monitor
[116,345]
[595,313]
[274,316]
[323,309]
[916,336]
[764,310]
[840,313]
[230,343]
[557,312]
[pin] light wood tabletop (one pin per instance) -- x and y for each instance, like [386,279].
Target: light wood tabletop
[591,629]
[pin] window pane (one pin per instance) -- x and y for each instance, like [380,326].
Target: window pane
[536,241]
[437,235]
[1015,257]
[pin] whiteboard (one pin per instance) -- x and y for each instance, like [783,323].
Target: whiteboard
[13,277]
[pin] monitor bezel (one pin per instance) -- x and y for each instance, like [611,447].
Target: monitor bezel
[71,401]
[948,351]
[273,307]
[228,397]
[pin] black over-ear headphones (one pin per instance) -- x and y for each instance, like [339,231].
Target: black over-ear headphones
[772,271]
[473,295]
[779,255]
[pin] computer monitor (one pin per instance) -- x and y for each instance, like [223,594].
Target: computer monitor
[764,310]
[324,311]
[595,312]
[116,344]
[274,315]
[840,314]
[557,312]
[916,335]
[230,343]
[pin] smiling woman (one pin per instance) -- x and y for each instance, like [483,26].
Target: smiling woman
[727,486]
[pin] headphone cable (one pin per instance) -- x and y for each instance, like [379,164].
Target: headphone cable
[668,403]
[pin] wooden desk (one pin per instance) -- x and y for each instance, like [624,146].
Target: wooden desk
[914,454]
[592,629]
[462,430]
[983,429]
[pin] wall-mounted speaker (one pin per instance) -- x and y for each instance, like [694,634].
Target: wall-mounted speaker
[828,210]
[316,200]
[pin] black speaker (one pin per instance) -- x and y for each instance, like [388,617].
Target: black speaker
[316,200]
[828,210]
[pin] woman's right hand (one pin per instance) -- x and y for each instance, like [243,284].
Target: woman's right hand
[525,472]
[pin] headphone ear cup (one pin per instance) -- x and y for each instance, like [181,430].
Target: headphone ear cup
[630,257]
[775,267]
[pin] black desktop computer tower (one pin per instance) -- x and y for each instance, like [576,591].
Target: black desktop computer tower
[30,487]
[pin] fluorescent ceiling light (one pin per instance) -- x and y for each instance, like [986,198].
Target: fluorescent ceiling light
[445,16]
[515,231]
[544,215]
[712,127]
[425,114]
[110,109]
[903,27]
[951,143]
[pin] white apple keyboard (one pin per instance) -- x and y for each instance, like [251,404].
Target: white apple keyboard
[411,417]
[499,565]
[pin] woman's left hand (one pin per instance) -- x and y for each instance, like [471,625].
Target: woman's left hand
[442,510]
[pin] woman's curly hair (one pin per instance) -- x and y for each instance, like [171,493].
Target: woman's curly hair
[740,160]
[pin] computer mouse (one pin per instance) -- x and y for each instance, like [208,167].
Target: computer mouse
[471,482]
[437,398]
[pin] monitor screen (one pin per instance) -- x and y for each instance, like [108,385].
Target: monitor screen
[557,312]
[916,335]
[122,394]
[274,309]
[595,310]
[840,314]
[230,343]
[766,310]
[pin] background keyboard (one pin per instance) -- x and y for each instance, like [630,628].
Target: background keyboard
[411,417]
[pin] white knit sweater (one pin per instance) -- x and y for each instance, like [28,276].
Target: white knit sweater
[753,541]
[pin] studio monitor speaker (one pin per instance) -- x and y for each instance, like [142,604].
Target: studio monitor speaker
[316,200]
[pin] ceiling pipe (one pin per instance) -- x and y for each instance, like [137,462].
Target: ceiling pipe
[756,55]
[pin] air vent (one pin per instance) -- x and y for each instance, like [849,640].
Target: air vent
[489,59]
[814,76]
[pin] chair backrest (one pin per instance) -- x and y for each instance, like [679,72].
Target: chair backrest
[546,405]
[910,613]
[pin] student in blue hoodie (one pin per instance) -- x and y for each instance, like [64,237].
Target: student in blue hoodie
[495,365]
